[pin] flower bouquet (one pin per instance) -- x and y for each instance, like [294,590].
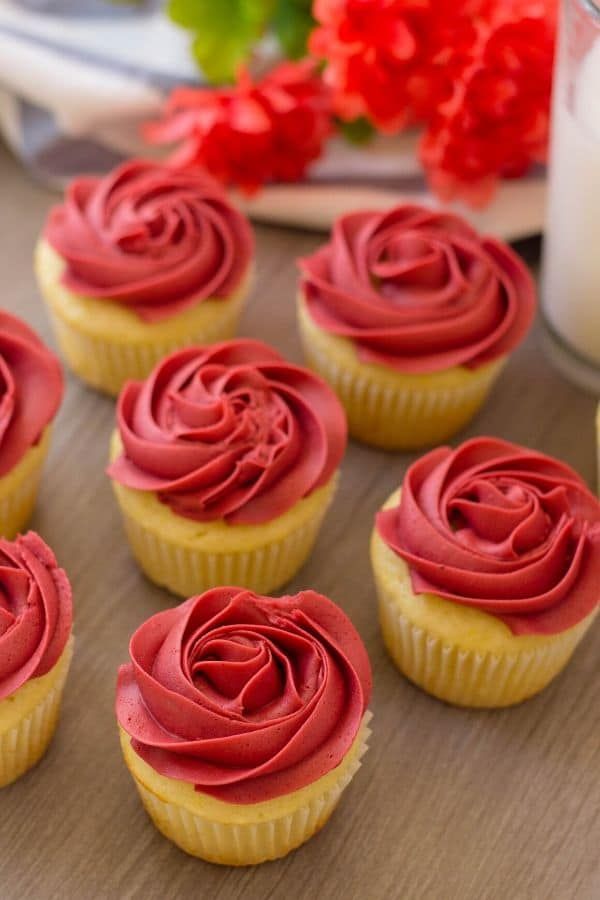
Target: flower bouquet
[313,107]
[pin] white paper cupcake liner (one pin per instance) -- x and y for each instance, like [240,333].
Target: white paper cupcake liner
[188,570]
[469,678]
[24,745]
[19,488]
[396,417]
[108,364]
[253,842]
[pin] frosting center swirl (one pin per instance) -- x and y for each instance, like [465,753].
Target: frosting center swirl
[35,611]
[246,697]
[155,239]
[418,290]
[501,528]
[31,388]
[230,431]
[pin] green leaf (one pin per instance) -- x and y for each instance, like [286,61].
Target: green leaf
[292,24]
[358,131]
[219,55]
[224,31]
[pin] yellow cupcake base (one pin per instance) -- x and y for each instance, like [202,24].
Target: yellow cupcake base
[28,719]
[19,488]
[457,653]
[106,344]
[390,409]
[241,834]
[189,557]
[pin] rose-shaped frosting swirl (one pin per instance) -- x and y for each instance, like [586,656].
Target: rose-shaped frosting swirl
[229,431]
[501,528]
[246,697]
[35,611]
[418,290]
[155,239]
[31,387]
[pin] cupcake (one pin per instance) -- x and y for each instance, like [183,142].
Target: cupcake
[31,387]
[242,719]
[35,651]
[487,565]
[223,464]
[410,316]
[139,263]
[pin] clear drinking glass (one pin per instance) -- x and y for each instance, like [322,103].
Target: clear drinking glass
[571,267]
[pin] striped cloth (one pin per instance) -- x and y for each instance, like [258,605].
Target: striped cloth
[78,76]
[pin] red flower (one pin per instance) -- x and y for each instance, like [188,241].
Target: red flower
[497,121]
[251,133]
[393,61]
[449,38]
[369,46]
[477,73]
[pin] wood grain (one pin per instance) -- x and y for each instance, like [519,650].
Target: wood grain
[448,804]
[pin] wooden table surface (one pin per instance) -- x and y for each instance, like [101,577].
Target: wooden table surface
[448,804]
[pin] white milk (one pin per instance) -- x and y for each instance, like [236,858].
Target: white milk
[571,284]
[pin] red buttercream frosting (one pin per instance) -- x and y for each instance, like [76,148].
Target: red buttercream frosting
[501,528]
[229,431]
[31,387]
[246,697]
[418,290]
[35,611]
[155,239]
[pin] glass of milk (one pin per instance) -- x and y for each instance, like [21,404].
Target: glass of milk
[571,269]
